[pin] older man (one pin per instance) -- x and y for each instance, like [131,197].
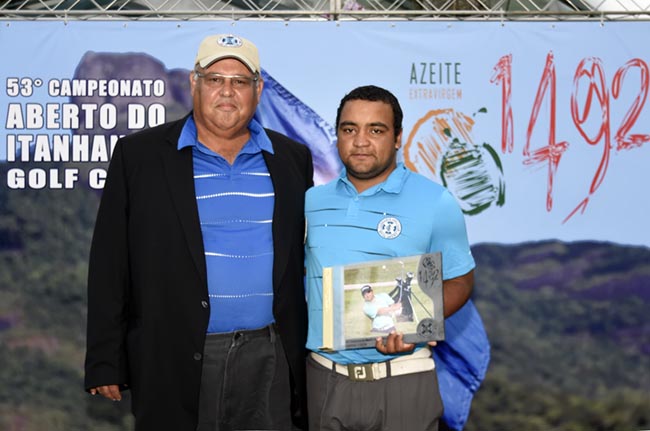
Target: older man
[195,290]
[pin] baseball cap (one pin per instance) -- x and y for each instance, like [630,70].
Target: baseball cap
[221,46]
[366,288]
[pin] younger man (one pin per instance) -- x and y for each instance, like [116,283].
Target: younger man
[377,208]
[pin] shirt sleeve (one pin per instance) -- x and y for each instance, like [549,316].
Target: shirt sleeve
[450,237]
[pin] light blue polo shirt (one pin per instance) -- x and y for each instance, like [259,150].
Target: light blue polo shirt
[405,215]
[236,212]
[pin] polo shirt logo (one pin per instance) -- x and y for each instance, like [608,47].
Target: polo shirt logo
[389,228]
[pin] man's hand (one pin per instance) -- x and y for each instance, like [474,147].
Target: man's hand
[394,344]
[112,392]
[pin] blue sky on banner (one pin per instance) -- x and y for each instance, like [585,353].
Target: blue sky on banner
[506,95]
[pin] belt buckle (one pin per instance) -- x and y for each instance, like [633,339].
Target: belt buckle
[361,372]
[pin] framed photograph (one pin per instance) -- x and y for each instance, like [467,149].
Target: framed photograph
[362,301]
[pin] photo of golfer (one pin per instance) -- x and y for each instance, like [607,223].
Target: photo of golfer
[381,308]
[390,300]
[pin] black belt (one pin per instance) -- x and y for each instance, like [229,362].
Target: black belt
[267,331]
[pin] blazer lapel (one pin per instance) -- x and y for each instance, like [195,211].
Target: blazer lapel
[283,208]
[179,175]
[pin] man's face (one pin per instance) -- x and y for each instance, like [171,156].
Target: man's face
[366,142]
[369,295]
[225,110]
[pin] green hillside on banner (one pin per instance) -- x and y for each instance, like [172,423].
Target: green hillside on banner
[568,325]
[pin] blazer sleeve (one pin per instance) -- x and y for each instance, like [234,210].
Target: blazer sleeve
[108,282]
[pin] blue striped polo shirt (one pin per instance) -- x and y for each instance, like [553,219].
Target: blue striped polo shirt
[236,211]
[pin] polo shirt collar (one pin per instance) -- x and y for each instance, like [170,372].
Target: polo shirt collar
[258,142]
[392,184]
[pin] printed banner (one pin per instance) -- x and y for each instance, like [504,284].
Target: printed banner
[539,129]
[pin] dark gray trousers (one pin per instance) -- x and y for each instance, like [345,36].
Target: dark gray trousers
[245,383]
[409,402]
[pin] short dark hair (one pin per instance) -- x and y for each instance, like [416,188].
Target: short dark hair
[373,93]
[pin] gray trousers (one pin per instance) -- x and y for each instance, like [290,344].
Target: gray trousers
[245,383]
[409,402]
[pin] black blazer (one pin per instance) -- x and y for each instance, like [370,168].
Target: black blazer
[147,282]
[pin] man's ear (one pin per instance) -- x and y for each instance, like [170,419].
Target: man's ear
[192,82]
[398,141]
[260,86]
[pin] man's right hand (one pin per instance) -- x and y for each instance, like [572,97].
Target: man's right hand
[112,392]
[394,344]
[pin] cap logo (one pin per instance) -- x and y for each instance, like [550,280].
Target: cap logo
[230,41]
[389,228]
